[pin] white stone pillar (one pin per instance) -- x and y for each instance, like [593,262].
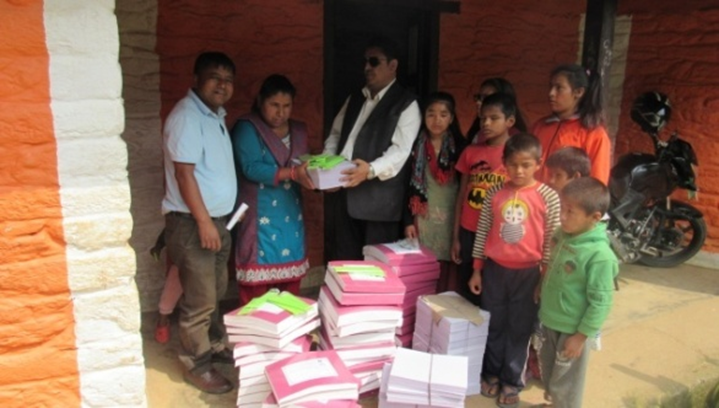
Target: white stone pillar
[88,115]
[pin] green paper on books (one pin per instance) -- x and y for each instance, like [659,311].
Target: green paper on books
[284,300]
[322,161]
[367,270]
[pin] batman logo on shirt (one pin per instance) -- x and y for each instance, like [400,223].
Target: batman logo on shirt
[476,198]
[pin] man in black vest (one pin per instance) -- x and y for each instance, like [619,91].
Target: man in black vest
[375,128]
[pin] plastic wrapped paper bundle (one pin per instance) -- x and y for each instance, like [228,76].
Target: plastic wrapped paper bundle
[449,324]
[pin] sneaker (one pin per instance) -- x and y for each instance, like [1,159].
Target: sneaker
[162,333]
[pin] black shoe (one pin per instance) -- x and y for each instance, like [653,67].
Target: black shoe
[211,381]
[223,357]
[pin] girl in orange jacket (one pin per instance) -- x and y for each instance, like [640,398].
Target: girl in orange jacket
[576,119]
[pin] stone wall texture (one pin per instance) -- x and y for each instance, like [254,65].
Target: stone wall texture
[521,41]
[36,323]
[88,119]
[137,20]
[673,49]
[70,321]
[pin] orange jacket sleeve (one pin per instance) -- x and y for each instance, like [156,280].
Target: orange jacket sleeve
[599,150]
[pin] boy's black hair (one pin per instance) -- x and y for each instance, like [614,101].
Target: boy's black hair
[590,194]
[522,142]
[506,103]
[385,44]
[213,59]
[501,85]
[571,160]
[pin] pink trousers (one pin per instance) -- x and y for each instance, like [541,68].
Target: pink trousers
[171,292]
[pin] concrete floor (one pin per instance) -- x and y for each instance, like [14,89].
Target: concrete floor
[661,338]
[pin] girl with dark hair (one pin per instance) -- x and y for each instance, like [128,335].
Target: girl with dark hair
[270,250]
[434,183]
[488,87]
[576,119]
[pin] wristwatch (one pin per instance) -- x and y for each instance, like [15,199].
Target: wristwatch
[370,173]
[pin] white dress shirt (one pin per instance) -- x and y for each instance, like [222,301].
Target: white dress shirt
[390,163]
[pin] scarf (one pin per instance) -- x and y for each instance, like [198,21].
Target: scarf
[441,167]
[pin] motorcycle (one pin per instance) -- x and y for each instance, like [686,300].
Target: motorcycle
[646,225]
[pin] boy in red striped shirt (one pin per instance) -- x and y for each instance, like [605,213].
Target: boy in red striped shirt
[512,245]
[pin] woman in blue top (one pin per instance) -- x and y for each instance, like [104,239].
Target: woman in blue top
[270,250]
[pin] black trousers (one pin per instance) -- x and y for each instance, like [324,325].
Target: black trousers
[508,295]
[346,235]
[465,269]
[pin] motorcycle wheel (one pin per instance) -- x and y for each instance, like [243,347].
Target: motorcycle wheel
[678,236]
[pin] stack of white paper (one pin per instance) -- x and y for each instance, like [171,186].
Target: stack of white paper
[383,403]
[417,268]
[267,334]
[449,324]
[417,379]
[448,381]
[360,311]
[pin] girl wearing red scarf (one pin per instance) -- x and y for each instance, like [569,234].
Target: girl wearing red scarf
[434,184]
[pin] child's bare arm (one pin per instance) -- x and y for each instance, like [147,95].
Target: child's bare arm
[458,205]
[475,282]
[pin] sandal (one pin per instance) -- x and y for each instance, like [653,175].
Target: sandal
[508,397]
[489,387]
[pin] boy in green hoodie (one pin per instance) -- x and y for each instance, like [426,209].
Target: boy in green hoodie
[576,291]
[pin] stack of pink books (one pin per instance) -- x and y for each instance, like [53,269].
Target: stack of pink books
[263,334]
[417,267]
[314,379]
[271,402]
[360,306]
[417,379]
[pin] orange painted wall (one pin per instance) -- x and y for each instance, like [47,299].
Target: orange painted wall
[520,40]
[484,40]
[262,38]
[38,361]
[673,49]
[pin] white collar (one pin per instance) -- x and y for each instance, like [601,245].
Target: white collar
[367,94]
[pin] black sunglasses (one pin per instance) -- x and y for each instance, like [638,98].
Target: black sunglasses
[373,61]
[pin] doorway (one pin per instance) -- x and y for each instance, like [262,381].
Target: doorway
[349,24]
